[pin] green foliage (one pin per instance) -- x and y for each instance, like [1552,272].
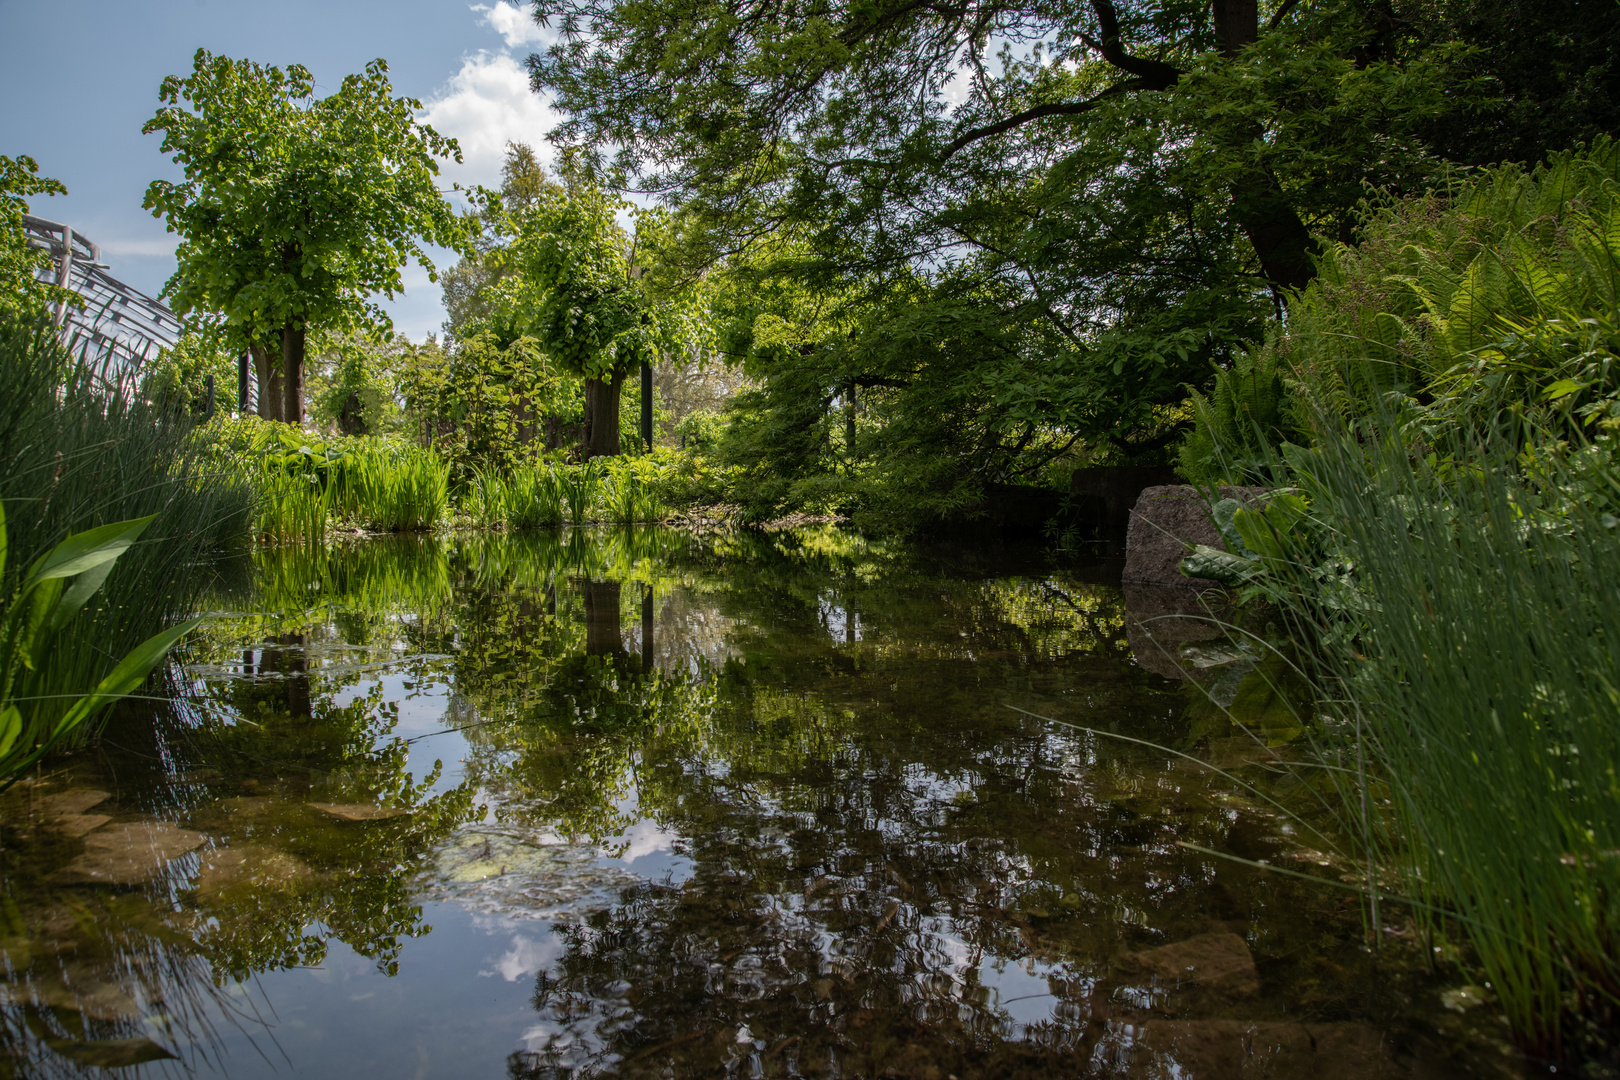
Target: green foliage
[74,458]
[392,487]
[20,287]
[294,210]
[178,378]
[572,286]
[352,384]
[471,287]
[486,407]
[1241,424]
[1493,306]
[700,431]
[1482,669]
[531,498]
[51,593]
[629,491]
[579,491]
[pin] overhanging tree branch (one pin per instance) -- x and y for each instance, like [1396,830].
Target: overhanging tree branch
[1061,108]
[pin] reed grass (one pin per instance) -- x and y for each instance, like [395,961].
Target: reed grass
[78,449]
[629,491]
[1485,675]
[292,507]
[535,499]
[579,491]
[392,487]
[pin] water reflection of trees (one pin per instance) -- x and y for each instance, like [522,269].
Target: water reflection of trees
[866,826]
[818,718]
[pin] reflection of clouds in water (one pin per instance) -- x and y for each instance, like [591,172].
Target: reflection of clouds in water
[646,838]
[525,958]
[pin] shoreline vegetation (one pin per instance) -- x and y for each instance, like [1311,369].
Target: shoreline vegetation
[1408,340]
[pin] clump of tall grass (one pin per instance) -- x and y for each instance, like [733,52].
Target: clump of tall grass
[579,489]
[1486,670]
[392,487]
[531,498]
[78,452]
[292,505]
[630,491]
[535,498]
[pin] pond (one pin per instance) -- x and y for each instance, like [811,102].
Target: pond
[659,804]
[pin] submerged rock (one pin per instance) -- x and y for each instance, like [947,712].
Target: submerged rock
[76,825]
[71,802]
[128,854]
[522,875]
[1241,1050]
[112,1053]
[249,866]
[1218,960]
[82,990]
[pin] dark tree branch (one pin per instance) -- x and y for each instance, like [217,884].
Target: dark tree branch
[1061,108]
[1282,13]
[1156,74]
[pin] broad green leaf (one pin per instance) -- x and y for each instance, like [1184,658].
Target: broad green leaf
[131,671]
[1218,565]
[3,542]
[92,547]
[10,728]
[38,602]
[83,588]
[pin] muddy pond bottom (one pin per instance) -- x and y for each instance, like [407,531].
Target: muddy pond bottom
[649,804]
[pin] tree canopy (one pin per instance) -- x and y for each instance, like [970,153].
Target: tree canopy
[1117,195]
[20,286]
[295,210]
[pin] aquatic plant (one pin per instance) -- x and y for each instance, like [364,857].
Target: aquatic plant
[579,488]
[292,506]
[80,450]
[53,590]
[392,487]
[630,492]
[1485,674]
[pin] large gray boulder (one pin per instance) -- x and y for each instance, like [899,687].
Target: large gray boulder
[1165,524]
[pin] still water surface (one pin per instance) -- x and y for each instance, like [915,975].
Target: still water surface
[648,804]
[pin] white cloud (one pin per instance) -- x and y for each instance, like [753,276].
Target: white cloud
[514,24]
[139,248]
[484,106]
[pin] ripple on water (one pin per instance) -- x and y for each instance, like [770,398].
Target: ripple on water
[521,873]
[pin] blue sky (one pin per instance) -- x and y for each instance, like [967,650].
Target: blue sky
[80,78]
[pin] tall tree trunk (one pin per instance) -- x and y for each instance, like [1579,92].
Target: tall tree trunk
[646,407]
[267,370]
[1262,209]
[1275,231]
[602,416]
[292,374]
[1237,23]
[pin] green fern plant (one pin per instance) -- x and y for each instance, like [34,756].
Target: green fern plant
[1241,425]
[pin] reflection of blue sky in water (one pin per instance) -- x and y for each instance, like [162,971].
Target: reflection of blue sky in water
[845,839]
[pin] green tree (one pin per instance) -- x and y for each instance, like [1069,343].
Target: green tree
[294,209]
[468,286]
[577,287]
[1067,234]
[20,287]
